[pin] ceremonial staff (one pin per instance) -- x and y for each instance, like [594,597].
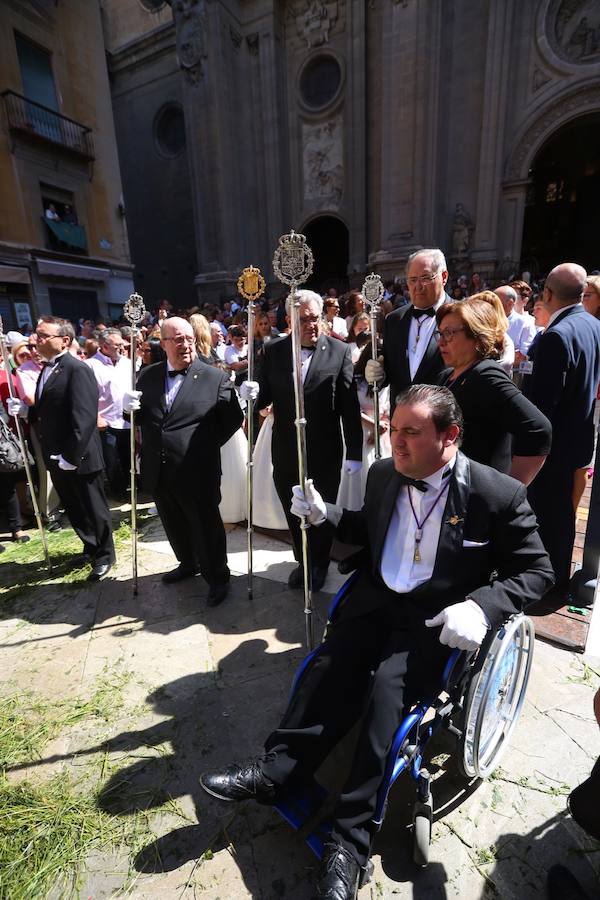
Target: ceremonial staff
[373,294]
[134,311]
[23,448]
[293,264]
[251,285]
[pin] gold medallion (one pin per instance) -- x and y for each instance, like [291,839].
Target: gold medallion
[251,285]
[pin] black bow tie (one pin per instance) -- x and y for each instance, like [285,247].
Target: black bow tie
[413,482]
[172,373]
[417,313]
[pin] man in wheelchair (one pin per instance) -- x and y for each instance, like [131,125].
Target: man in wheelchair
[452,550]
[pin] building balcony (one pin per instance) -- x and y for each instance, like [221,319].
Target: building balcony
[65,236]
[37,123]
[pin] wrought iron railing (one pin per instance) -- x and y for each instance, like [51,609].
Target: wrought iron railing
[41,123]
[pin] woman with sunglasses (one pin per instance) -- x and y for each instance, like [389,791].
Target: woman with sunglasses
[502,428]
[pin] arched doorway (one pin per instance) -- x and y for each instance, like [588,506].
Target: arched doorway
[563,199]
[328,239]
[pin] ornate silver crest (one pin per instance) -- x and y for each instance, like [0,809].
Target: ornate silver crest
[293,260]
[373,291]
[134,310]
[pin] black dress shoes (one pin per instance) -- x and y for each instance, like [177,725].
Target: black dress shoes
[239,782]
[99,571]
[217,594]
[296,578]
[338,876]
[179,574]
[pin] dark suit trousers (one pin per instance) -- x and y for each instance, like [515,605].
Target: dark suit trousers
[551,498]
[117,459]
[9,503]
[195,529]
[85,504]
[319,539]
[378,665]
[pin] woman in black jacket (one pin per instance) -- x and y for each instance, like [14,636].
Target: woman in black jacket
[502,428]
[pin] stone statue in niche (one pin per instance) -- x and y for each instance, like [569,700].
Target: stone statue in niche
[315,20]
[191,37]
[462,229]
[323,166]
[577,29]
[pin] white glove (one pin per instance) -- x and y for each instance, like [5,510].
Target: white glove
[464,625]
[63,464]
[374,370]
[131,401]
[309,504]
[17,407]
[249,390]
[352,466]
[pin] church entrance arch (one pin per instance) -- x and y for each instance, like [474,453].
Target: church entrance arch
[563,198]
[329,240]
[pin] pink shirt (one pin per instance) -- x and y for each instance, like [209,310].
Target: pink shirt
[113,381]
[26,377]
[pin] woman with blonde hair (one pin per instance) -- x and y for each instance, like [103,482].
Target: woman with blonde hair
[204,347]
[502,428]
[591,296]
[507,359]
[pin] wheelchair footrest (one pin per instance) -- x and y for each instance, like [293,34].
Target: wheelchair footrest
[301,804]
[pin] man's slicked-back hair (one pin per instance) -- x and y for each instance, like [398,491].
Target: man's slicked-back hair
[65,329]
[445,411]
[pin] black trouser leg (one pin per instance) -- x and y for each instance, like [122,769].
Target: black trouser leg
[320,538]
[85,504]
[115,474]
[9,502]
[551,498]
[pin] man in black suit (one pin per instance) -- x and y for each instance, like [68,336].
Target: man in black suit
[65,412]
[187,410]
[564,385]
[410,352]
[452,550]
[330,400]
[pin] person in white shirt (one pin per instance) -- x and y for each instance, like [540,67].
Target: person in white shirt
[236,354]
[337,325]
[434,527]
[112,370]
[521,326]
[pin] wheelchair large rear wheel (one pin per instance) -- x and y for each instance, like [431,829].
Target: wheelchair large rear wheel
[495,696]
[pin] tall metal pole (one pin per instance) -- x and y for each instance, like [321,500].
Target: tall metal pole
[23,448]
[251,285]
[134,311]
[293,264]
[373,294]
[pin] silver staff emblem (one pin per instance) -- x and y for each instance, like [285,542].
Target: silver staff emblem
[373,290]
[134,310]
[293,260]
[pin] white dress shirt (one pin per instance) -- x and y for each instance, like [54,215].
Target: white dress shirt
[172,387]
[306,355]
[422,327]
[398,567]
[522,330]
[48,369]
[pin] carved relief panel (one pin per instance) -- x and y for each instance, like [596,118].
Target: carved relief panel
[323,162]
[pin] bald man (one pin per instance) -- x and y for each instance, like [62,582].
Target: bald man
[564,385]
[187,411]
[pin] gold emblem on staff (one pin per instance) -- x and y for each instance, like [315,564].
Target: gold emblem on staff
[251,285]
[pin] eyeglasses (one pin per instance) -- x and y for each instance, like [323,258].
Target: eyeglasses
[421,279]
[179,341]
[308,320]
[447,334]
[45,337]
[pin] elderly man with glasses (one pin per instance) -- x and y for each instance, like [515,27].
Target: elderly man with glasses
[410,353]
[187,410]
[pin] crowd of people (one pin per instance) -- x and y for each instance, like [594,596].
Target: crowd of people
[486,423]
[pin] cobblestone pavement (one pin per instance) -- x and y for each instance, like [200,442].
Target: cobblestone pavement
[205,686]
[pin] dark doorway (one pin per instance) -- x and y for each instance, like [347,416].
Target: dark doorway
[563,198]
[328,239]
[73,303]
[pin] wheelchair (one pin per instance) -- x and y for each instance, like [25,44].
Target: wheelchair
[479,703]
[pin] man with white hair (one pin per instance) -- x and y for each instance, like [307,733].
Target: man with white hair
[410,351]
[521,326]
[331,404]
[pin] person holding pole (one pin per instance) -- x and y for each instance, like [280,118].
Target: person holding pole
[65,413]
[331,404]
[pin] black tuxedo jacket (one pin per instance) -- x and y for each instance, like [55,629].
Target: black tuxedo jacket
[183,444]
[395,353]
[564,383]
[329,398]
[507,571]
[66,415]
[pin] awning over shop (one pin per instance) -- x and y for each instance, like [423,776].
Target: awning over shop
[71,270]
[15,274]
[68,233]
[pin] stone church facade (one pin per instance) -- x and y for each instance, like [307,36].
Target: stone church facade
[373,126]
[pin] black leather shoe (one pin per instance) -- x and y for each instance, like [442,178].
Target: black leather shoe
[20,537]
[338,876]
[179,574]
[318,578]
[562,885]
[239,782]
[217,594]
[296,578]
[53,525]
[99,570]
